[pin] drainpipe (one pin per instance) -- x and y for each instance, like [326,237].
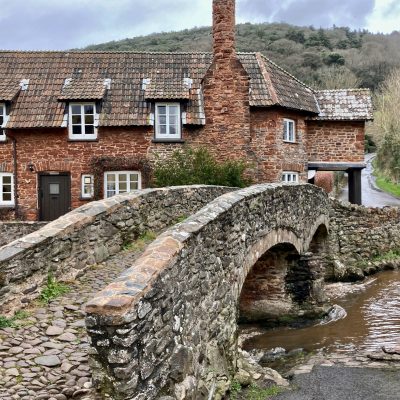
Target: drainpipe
[14,141]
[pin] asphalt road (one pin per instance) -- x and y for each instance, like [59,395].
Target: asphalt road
[344,383]
[371,195]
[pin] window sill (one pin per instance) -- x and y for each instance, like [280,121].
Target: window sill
[7,206]
[289,142]
[168,141]
[82,140]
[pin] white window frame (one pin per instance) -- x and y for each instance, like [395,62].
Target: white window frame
[85,195]
[2,201]
[117,182]
[287,137]
[290,177]
[83,135]
[3,136]
[167,135]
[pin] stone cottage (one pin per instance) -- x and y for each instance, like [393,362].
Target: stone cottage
[79,125]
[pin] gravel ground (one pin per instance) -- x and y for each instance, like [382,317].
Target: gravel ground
[343,383]
[45,356]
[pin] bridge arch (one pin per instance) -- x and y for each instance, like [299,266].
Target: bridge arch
[169,323]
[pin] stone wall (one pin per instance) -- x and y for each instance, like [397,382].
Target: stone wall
[273,155]
[358,234]
[168,325]
[336,141]
[88,235]
[10,231]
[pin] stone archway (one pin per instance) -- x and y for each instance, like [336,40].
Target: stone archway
[287,280]
[264,295]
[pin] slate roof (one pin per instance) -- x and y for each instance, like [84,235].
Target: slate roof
[126,82]
[345,104]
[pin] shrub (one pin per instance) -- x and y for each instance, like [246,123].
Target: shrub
[197,166]
[52,290]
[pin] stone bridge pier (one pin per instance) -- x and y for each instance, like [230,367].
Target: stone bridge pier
[169,324]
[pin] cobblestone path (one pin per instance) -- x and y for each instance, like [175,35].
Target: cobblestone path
[45,355]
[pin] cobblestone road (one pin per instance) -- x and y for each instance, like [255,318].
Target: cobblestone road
[45,356]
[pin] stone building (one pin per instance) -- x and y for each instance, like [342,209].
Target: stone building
[82,125]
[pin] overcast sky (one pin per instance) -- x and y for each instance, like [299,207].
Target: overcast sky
[62,24]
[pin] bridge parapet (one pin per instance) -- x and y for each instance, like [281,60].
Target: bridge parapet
[169,323]
[89,235]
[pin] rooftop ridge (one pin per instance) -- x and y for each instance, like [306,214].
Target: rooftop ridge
[102,52]
[343,90]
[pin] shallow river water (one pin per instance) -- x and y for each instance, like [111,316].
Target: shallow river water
[372,321]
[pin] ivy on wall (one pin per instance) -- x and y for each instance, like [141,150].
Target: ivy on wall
[99,165]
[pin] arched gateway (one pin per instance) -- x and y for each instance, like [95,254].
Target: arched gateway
[168,325]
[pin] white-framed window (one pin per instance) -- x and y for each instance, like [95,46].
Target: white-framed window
[289,130]
[117,182]
[168,121]
[6,189]
[3,121]
[290,177]
[82,121]
[87,186]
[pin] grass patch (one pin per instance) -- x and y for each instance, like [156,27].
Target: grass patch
[140,243]
[14,321]
[388,186]
[52,290]
[257,393]
[180,219]
[389,256]
[235,389]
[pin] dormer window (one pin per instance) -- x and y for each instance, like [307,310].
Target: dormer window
[168,121]
[3,121]
[82,121]
[289,131]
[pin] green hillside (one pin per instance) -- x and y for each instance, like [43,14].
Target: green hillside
[324,58]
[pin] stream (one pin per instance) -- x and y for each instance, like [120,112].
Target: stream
[372,321]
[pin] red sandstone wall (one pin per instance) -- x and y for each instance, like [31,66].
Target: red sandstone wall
[336,141]
[273,155]
[324,180]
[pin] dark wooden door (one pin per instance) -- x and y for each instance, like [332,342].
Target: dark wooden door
[54,196]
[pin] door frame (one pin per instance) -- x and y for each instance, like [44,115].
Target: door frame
[39,194]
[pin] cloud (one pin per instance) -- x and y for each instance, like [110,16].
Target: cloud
[323,13]
[61,24]
[385,16]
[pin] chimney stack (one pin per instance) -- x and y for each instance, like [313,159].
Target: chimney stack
[224,29]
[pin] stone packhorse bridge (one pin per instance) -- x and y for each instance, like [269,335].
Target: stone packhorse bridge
[168,324]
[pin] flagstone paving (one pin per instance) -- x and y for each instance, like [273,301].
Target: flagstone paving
[45,356]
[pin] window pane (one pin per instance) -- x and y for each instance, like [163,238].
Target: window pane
[172,130]
[6,180]
[173,120]
[173,110]
[89,119]
[162,120]
[76,119]
[162,129]
[123,177]
[6,188]
[1,119]
[110,177]
[162,110]
[134,177]
[89,109]
[89,129]
[134,185]
[87,180]
[76,109]
[123,187]
[110,193]
[7,197]
[76,129]
[54,188]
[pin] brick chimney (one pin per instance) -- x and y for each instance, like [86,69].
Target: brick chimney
[224,29]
